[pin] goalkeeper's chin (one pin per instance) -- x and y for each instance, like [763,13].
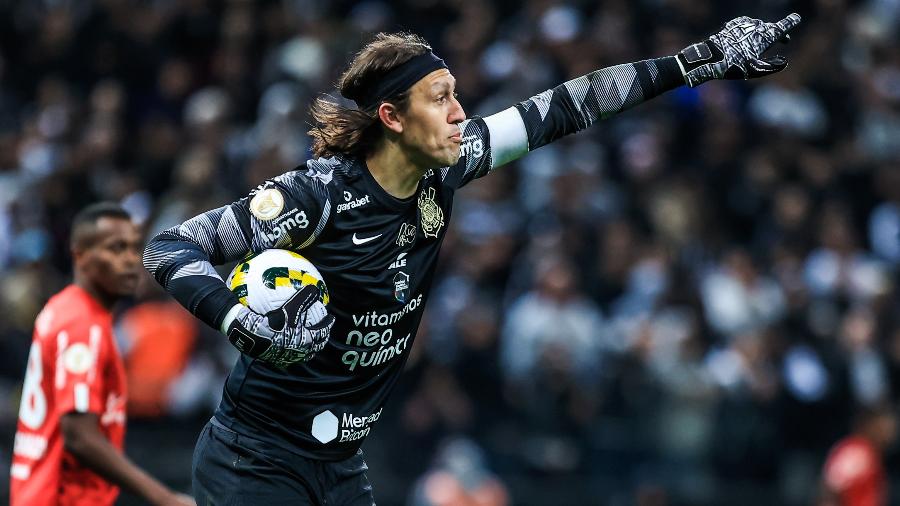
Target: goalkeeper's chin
[446,157]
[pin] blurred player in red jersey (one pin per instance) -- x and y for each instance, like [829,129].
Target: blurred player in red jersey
[854,474]
[68,445]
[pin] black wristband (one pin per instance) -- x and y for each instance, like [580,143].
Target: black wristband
[246,342]
[699,54]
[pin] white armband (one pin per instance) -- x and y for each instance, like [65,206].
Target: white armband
[509,139]
[229,317]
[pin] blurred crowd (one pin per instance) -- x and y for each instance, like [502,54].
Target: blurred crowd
[685,304]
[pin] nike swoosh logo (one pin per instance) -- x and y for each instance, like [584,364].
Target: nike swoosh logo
[357,241]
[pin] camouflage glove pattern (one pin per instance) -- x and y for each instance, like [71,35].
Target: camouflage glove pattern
[736,51]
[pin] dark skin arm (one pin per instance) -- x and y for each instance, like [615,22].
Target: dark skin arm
[83,439]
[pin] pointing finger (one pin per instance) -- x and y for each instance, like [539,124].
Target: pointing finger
[786,24]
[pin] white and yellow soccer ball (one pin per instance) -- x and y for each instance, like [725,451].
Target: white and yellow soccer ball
[265,281]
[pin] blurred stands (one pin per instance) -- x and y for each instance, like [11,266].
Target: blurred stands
[683,305]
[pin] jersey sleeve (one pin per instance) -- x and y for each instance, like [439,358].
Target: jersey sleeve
[78,369]
[568,108]
[286,212]
[475,154]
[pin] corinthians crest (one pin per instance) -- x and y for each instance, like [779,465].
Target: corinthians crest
[431,213]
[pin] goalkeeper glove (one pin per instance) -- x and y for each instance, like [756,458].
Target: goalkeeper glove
[291,334]
[736,51]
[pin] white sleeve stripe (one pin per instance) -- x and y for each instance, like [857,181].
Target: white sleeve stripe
[197,268]
[20,471]
[82,398]
[509,139]
[230,236]
[62,340]
[96,335]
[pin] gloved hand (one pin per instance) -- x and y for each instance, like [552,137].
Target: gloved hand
[291,334]
[736,51]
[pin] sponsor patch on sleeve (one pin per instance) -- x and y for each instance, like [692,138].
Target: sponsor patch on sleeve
[267,204]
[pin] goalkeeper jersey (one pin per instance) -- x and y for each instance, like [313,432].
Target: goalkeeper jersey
[376,253]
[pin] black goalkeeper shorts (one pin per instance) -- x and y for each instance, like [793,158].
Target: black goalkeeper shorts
[230,469]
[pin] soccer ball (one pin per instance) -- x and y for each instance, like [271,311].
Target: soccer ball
[265,281]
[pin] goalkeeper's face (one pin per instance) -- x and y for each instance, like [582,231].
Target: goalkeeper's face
[112,260]
[430,124]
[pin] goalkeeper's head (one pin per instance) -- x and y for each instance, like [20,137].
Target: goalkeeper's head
[106,252]
[406,100]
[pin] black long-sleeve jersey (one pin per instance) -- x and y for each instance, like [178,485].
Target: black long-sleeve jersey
[376,253]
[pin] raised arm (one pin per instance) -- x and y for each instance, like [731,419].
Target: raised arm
[735,52]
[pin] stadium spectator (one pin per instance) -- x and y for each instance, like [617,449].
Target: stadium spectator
[854,474]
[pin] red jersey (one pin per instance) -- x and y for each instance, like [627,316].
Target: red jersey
[73,366]
[855,472]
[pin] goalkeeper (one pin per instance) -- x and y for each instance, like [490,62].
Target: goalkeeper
[370,211]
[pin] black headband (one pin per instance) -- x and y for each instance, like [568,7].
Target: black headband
[401,78]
